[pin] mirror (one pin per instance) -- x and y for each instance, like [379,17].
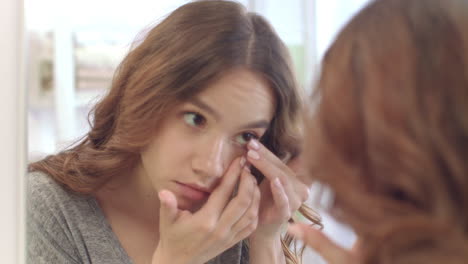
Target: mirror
[73,48]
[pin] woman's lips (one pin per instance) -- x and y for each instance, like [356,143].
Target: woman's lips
[191,191]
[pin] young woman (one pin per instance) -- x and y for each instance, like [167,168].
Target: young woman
[184,162]
[390,134]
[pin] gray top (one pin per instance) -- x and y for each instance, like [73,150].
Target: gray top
[67,227]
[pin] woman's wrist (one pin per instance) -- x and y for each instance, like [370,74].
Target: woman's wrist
[160,257]
[266,250]
[257,239]
[266,235]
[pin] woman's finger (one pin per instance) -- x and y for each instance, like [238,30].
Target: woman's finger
[264,160]
[248,223]
[272,167]
[240,204]
[281,199]
[168,210]
[315,239]
[297,165]
[296,191]
[220,197]
[250,214]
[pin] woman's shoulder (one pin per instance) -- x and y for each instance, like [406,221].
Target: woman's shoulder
[39,183]
[43,190]
[67,227]
[47,199]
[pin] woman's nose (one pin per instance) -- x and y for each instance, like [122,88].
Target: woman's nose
[209,160]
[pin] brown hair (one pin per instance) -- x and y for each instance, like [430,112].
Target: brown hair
[177,59]
[390,133]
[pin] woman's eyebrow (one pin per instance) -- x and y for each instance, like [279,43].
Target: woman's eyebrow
[202,105]
[197,102]
[257,124]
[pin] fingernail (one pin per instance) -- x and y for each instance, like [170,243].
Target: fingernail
[162,195]
[242,161]
[277,183]
[254,144]
[295,231]
[247,169]
[253,154]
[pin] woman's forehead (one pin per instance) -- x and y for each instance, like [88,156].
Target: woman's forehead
[239,93]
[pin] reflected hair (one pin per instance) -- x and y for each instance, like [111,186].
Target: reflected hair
[176,60]
[390,133]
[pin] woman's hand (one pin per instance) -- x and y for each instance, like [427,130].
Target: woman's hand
[331,252]
[195,238]
[282,193]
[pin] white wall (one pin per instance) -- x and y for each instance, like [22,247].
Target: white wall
[12,132]
[331,16]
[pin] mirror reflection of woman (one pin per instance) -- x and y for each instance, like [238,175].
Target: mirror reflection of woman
[184,162]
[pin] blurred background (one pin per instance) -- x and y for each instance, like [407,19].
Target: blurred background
[73,47]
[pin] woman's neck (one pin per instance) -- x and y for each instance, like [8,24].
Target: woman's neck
[132,196]
[131,207]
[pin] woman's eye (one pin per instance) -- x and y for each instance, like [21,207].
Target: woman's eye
[194,119]
[244,138]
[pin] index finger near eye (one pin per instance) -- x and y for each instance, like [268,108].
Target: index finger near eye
[268,163]
[221,195]
[267,155]
[272,167]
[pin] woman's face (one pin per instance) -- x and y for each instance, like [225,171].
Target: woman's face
[197,141]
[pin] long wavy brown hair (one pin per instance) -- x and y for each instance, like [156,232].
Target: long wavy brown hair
[177,59]
[389,135]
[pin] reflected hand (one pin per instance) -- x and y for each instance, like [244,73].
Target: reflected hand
[195,238]
[318,241]
[282,193]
